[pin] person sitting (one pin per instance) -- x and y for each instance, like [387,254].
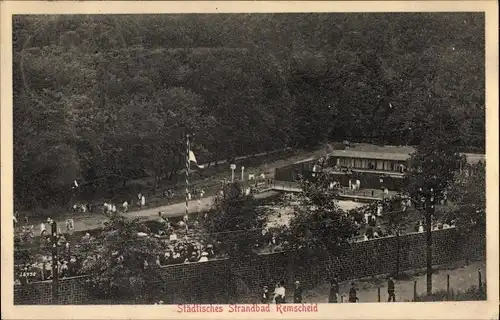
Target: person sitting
[204,256]
[193,257]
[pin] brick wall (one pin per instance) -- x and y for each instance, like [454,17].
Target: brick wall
[71,291]
[214,281]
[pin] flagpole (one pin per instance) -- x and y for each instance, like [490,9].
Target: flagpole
[187,175]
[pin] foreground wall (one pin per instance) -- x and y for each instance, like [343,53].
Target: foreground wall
[216,281]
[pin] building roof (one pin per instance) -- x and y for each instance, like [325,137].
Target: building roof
[473,158]
[349,153]
[399,153]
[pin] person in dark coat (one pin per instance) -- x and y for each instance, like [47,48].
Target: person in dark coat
[353,297]
[334,290]
[264,299]
[297,293]
[390,290]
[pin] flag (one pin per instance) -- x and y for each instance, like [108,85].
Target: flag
[192,158]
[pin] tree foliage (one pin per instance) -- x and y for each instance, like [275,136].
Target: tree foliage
[108,98]
[468,194]
[318,226]
[236,221]
[433,166]
[117,265]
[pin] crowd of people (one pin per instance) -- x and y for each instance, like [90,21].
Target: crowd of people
[179,241]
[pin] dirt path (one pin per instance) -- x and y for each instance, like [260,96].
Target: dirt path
[93,221]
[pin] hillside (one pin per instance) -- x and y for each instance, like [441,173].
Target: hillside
[111,97]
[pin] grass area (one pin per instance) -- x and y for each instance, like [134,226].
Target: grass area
[474,293]
[461,277]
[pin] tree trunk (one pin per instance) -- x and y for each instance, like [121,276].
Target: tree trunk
[398,252]
[428,221]
[289,269]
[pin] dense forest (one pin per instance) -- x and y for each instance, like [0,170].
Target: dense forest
[112,95]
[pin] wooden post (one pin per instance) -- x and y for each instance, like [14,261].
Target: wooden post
[448,285]
[378,293]
[415,290]
[480,280]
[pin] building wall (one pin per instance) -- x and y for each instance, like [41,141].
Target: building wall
[216,281]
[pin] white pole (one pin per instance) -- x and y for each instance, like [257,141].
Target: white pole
[242,173]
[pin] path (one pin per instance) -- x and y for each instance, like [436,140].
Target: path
[92,221]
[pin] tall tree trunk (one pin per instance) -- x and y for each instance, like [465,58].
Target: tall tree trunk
[428,221]
[398,252]
[289,269]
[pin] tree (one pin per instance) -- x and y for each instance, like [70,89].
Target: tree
[118,267]
[283,85]
[236,220]
[468,195]
[319,228]
[396,217]
[432,169]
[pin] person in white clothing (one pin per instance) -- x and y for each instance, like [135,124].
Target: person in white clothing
[202,193]
[143,201]
[42,228]
[204,257]
[279,293]
[420,227]
[125,206]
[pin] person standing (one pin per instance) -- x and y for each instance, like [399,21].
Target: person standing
[353,297]
[264,299]
[279,293]
[390,290]
[334,290]
[297,294]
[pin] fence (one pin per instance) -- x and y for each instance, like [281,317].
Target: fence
[473,292]
[197,282]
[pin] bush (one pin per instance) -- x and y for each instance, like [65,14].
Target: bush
[472,294]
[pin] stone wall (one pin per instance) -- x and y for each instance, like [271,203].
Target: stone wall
[215,281]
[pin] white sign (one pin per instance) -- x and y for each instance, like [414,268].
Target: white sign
[233,166]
